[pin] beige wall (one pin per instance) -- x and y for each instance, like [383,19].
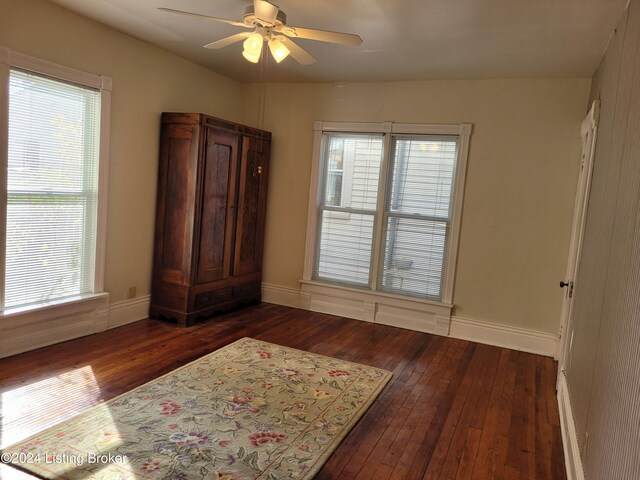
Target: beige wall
[146,81]
[522,173]
[521,176]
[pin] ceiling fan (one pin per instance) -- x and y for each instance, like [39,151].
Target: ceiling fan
[269,24]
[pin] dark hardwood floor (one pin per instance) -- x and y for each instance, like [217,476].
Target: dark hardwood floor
[453,410]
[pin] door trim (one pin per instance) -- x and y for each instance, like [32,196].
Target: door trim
[589,135]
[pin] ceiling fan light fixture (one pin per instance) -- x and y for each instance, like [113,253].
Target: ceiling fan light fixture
[253,58]
[253,47]
[278,49]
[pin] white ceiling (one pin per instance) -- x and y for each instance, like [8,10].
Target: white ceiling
[402,39]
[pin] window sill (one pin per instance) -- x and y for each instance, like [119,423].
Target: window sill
[378,307]
[67,306]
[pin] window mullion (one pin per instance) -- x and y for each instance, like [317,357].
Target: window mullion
[380,220]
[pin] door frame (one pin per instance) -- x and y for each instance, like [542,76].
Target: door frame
[588,135]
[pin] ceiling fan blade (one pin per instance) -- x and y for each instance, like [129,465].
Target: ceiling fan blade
[265,11]
[206,17]
[225,42]
[321,35]
[298,53]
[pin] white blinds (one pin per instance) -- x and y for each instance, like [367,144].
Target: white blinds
[52,189]
[350,185]
[413,225]
[418,214]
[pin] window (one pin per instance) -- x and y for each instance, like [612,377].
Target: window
[53,235]
[344,253]
[387,209]
[417,214]
[335,172]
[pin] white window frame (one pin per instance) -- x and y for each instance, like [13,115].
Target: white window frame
[371,297]
[97,298]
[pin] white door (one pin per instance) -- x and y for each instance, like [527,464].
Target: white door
[588,134]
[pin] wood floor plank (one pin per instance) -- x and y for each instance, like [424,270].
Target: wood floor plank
[454,419]
[468,458]
[447,408]
[374,434]
[453,409]
[366,431]
[396,418]
[427,388]
[485,458]
[480,413]
[416,453]
[383,472]
[502,440]
[458,442]
[551,374]
[517,451]
[544,438]
[530,393]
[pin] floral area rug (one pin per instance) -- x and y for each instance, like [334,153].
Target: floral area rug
[249,410]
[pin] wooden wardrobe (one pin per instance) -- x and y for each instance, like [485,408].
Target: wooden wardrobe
[210,216]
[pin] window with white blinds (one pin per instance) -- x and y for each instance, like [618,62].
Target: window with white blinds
[418,214]
[348,209]
[52,187]
[385,211]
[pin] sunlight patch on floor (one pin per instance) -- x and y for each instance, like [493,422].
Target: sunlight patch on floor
[66,395]
[27,409]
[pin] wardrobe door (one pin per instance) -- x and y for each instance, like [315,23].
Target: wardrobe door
[176,197]
[217,214]
[252,196]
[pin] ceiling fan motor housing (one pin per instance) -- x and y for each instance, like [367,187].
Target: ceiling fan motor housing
[249,18]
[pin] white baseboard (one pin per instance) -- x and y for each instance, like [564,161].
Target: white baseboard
[413,316]
[29,330]
[289,297]
[505,336]
[376,307]
[572,460]
[386,309]
[129,311]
